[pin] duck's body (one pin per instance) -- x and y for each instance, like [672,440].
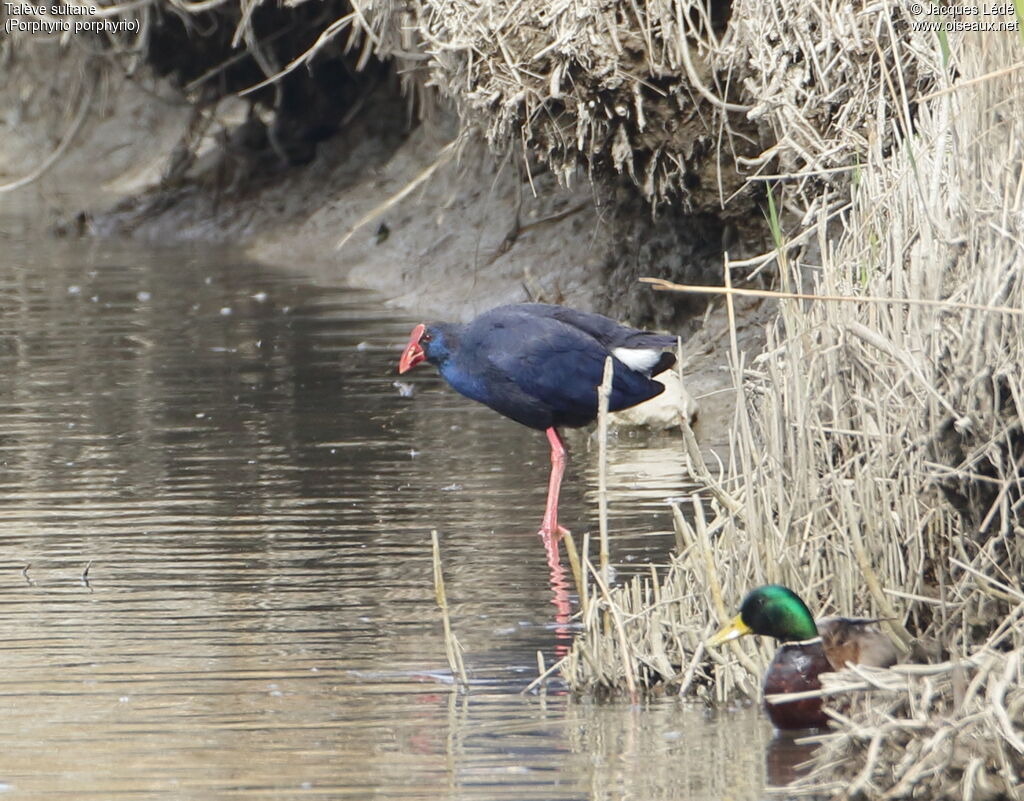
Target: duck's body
[857,641]
[807,650]
[541,365]
[795,668]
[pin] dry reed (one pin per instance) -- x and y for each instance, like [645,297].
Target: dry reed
[686,99]
[877,458]
[452,647]
[604,391]
[950,730]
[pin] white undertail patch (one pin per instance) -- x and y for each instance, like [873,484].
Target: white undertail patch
[640,359]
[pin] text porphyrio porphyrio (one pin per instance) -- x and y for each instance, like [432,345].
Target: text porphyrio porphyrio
[541,365]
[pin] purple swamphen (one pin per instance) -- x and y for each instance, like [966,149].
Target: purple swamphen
[541,366]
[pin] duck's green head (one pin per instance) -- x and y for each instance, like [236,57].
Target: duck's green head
[771,611]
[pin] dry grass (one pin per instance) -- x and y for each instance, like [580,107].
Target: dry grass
[667,91]
[950,731]
[452,647]
[877,462]
[681,96]
[686,98]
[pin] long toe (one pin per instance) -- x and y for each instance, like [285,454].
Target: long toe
[551,536]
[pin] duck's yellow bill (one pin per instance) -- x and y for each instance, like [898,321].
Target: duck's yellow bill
[736,628]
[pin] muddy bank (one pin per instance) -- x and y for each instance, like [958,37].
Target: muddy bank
[387,204]
[477,231]
[440,232]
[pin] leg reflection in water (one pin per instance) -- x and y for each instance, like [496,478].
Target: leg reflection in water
[563,607]
[784,759]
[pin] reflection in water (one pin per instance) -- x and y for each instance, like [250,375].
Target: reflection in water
[225,451]
[784,759]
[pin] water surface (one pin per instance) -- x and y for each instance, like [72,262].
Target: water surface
[215,552]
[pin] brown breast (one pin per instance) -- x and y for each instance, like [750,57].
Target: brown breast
[796,668]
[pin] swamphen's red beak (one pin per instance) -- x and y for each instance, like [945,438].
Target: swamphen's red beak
[413,353]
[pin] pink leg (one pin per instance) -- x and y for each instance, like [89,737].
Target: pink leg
[550,531]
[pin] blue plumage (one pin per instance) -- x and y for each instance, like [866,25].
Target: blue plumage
[541,365]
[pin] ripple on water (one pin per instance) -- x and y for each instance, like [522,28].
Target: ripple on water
[215,529]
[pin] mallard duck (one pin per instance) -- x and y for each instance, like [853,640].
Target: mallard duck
[807,649]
